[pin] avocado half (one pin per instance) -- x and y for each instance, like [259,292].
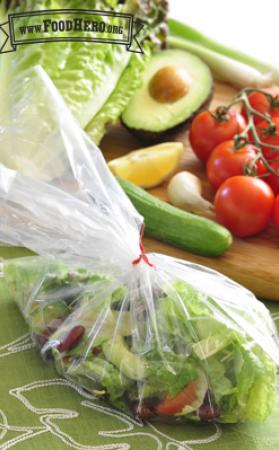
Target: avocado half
[153,119]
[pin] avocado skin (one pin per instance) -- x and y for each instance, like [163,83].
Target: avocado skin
[154,137]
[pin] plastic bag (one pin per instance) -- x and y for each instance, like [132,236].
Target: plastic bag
[156,336]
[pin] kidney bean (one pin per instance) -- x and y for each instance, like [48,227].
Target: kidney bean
[142,410]
[72,339]
[208,413]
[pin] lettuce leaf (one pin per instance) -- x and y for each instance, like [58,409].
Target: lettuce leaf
[117,102]
[96,80]
[255,394]
[241,375]
[99,372]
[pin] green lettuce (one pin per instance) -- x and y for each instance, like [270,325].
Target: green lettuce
[171,372]
[255,377]
[96,373]
[96,80]
[240,374]
[189,340]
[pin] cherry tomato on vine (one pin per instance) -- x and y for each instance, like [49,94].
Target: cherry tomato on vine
[207,131]
[276,212]
[270,139]
[260,103]
[225,162]
[244,205]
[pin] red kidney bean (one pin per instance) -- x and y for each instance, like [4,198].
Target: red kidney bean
[50,329]
[142,410]
[208,413]
[72,339]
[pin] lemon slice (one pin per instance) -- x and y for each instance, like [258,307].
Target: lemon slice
[150,166]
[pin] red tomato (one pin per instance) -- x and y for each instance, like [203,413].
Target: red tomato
[172,405]
[225,162]
[206,132]
[272,179]
[260,103]
[244,205]
[276,212]
[270,139]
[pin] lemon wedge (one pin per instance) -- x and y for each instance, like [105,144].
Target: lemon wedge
[150,166]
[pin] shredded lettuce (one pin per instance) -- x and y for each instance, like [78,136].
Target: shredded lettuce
[191,342]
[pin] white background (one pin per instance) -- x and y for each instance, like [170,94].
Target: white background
[249,25]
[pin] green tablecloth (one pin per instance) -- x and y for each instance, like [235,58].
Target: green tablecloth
[41,411]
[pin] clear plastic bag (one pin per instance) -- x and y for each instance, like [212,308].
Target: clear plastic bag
[156,336]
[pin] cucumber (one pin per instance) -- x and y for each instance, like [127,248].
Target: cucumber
[177,227]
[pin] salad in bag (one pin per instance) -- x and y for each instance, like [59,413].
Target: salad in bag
[155,336]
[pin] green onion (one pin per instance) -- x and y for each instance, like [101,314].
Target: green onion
[227,64]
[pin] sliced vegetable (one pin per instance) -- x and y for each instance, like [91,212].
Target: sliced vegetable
[210,346]
[117,352]
[244,205]
[208,130]
[174,405]
[169,224]
[185,192]
[150,166]
[176,85]
[228,65]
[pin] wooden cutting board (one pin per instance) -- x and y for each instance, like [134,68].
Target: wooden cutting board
[253,262]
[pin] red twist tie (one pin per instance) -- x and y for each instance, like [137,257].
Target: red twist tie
[142,255]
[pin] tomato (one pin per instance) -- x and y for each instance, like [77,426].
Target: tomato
[172,405]
[225,162]
[244,205]
[276,212]
[260,103]
[270,139]
[207,132]
[272,179]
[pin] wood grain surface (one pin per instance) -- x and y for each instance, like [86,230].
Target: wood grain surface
[253,262]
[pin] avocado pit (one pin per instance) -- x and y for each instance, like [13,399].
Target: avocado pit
[169,84]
